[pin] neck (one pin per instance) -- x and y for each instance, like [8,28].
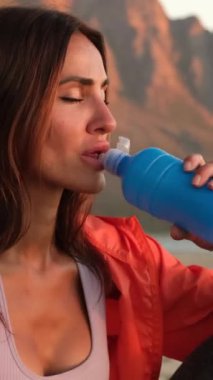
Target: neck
[36,248]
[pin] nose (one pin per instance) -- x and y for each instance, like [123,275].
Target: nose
[102,121]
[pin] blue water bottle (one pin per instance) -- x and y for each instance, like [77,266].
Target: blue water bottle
[154,181]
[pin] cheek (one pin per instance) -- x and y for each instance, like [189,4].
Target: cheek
[61,135]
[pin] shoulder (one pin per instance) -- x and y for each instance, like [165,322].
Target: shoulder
[124,238]
[110,224]
[117,236]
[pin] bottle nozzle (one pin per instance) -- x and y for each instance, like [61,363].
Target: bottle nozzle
[123,144]
[112,158]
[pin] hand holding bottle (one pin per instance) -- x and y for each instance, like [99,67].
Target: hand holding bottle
[203,174]
[156,182]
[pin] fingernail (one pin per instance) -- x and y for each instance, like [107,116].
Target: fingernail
[196,180]
[210,184]
[188,166]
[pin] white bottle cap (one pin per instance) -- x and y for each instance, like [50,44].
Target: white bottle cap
[123,144]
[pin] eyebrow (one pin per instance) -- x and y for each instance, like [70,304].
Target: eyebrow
[83,81]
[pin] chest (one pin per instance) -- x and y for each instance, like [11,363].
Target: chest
[49,322]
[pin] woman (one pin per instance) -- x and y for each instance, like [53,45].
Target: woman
[81,297]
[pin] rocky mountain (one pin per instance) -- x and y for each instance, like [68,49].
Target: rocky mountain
[161,74]
[194,58]
[164,73]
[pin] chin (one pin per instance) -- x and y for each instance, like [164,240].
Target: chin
[97,184]
[90,185]
[96,187]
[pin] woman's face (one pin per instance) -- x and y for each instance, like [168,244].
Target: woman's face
[80,122]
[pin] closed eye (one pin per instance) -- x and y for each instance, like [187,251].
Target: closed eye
[70,100]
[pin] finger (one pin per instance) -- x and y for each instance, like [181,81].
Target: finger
[177,233]
[199,242]
[203,175]
[210,184]
[193,161]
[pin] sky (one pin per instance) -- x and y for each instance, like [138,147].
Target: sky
[183,8]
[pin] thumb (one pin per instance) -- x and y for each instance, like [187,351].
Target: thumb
[177,233]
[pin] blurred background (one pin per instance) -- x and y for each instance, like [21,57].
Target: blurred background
[160,55]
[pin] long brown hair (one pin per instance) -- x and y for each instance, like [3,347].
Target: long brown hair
[33,45]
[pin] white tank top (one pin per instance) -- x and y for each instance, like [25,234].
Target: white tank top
[95,367]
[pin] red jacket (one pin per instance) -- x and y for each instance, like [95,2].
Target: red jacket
[164,308]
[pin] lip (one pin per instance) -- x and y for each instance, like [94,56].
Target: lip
[91,156]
